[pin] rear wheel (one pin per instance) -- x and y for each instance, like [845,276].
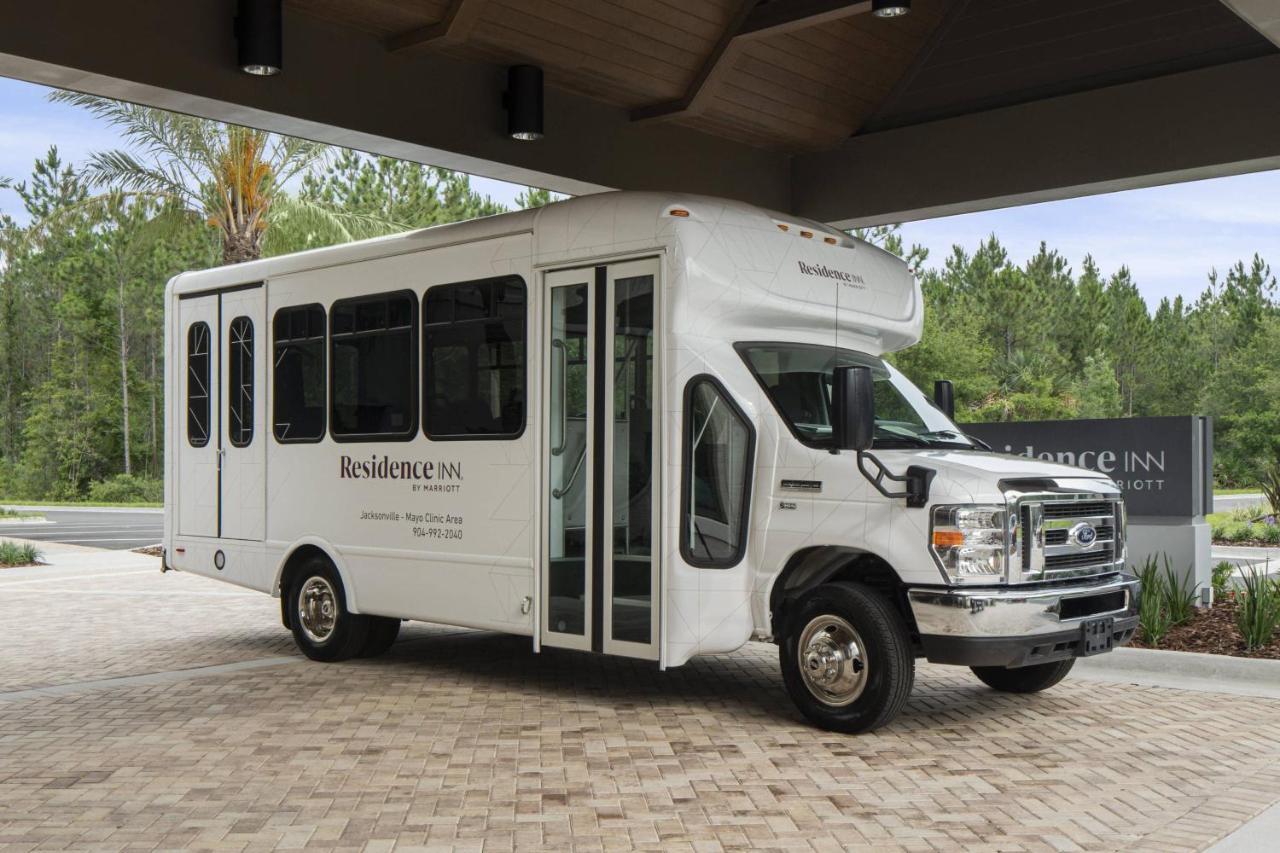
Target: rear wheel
[846,658]
[383,631]
[1024,679]
[322,626]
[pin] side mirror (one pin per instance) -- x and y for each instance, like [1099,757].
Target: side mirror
[853,408]
[944,397]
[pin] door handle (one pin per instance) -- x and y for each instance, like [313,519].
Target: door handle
[558,348]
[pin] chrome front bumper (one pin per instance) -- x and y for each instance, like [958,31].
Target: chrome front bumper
[1012,626]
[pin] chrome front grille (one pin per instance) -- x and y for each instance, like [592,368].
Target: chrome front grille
[1061,536]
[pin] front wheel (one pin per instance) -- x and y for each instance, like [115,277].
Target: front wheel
[1024,679]
[322,626]
[846,658]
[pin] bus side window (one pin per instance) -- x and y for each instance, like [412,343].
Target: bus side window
[474,372]
[719,449]
[373,364]
[198,411]
[240,392]
[298,410]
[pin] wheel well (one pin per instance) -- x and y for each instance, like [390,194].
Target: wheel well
[811,567]
[292,565]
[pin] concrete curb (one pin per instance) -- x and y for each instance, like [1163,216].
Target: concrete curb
[23,522]
[1184,671]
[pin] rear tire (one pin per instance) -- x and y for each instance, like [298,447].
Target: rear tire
[383,631]
[322,626]
[1024,679]
[846,658]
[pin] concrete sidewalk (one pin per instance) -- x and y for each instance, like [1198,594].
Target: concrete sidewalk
[59,560]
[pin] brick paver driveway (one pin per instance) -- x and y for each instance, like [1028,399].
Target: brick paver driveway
[467,740]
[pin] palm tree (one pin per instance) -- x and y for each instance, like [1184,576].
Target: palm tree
[232,177]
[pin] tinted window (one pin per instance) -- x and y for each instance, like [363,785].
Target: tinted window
[240,383]
[474,359]
[198,409]
[719,445]
[373,367]
[298,390]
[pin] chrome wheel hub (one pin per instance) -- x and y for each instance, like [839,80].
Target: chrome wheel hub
[317,609]
[832,661]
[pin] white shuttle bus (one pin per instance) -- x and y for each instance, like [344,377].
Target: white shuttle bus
[648,425]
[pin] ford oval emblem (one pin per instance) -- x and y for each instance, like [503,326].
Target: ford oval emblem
[1084,534]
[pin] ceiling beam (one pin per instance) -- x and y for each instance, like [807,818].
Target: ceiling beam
[781,17]
[710,75]
[752,20]
[1262,15]
[1179,127]
[455,27]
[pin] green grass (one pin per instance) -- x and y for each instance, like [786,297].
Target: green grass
[1250,490]
[12,554]
[86,504]
[7,513]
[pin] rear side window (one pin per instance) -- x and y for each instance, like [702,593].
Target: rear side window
[240,387]
[298,404]
[198,409]
[373,367]
[474,359]
[719,449]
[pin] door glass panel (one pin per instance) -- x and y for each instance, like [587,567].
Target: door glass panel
[632,459]
[569,480]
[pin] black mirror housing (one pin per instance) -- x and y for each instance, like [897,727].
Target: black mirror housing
[853,408]
[944,397]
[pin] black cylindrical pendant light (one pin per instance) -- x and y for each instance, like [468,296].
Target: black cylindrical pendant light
[260,36]
[524,102]
[890,8]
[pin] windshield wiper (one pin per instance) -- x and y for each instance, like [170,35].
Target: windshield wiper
[952,433]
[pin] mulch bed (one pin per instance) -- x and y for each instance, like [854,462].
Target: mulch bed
[151,550]
[1211,631]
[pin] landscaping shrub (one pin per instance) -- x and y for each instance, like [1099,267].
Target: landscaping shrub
[1258,610]
[127,489]
[1179,593]
[1222,580]
[1153,612]
[14,554]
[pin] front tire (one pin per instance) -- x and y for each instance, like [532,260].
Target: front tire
[322,626]
[1024,679]
[846,658]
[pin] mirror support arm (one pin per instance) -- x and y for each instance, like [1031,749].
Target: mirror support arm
[917,479]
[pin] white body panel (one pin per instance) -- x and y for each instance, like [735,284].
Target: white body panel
[725,273]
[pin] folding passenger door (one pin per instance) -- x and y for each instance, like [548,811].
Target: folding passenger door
[600,587]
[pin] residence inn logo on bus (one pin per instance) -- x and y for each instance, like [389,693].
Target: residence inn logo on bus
[824,271]
[425,475]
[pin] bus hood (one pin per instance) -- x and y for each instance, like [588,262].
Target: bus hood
[979,473]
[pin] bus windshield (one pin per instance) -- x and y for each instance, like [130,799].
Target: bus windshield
[797,378]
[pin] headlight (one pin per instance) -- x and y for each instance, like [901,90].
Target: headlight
[970,542]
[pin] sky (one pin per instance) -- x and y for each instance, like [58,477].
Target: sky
[1169,237]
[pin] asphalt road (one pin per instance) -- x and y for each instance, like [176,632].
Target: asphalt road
[117,529]
[1222,503]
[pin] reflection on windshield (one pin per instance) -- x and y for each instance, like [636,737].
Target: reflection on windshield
[797,378]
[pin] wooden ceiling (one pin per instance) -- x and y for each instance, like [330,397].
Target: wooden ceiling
[804,75]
